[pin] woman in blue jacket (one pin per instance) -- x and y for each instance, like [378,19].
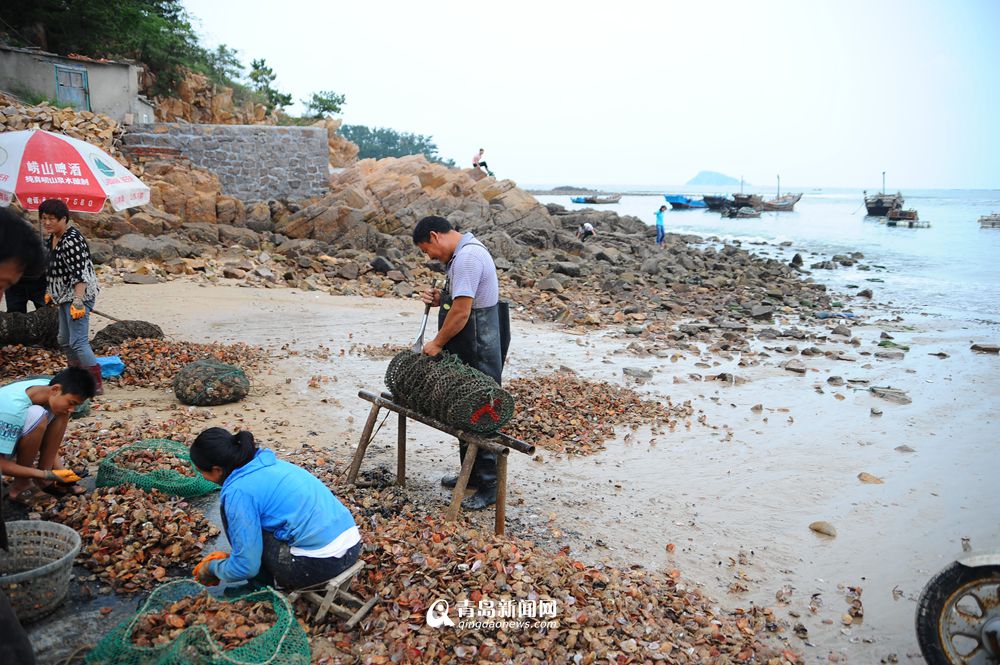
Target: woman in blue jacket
[285,527]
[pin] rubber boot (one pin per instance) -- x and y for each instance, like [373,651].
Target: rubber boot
[95,371]
[451,480]
[484,471]
[485,496]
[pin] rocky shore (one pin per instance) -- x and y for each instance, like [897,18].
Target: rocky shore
[754,406]
[356,242]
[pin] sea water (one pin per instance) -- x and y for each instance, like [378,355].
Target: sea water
[951,269]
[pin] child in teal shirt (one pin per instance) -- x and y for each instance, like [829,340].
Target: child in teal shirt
[33,418]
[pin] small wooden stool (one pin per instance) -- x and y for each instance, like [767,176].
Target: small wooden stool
[335,592]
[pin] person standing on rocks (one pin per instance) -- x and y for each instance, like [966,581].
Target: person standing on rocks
[661,231]
[472,324]
[72,286]
[479,163]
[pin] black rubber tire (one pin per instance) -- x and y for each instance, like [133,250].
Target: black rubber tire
[937,594]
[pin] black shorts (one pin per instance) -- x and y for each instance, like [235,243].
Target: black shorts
[290,572]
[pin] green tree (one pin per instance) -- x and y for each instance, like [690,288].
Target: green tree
[261,77]
[224,65]
[384,142]
[323,103]
[155,32]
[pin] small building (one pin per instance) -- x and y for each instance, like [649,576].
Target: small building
[102,86]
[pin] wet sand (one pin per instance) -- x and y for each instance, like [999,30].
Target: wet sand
[735,495]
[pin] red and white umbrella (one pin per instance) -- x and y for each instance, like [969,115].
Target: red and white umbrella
[36,165]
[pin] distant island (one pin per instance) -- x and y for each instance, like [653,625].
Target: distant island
[712,178]
[568,190]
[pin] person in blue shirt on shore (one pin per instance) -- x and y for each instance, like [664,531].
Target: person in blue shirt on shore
[285,527]
[661,231]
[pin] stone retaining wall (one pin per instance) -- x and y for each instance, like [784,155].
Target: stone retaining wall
[253,162]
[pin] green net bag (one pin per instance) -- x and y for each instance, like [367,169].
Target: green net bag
[210,382]
[81,411]
[284,643]
[142,465]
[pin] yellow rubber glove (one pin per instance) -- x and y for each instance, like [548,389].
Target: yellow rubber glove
[77,309]
[62,475]
[202,573]
[48,299]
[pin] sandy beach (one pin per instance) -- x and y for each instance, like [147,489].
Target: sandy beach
[734,490]
[755,346]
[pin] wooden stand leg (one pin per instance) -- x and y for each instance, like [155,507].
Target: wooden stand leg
[359,454]
[401,451]
[463,480]
[501,507]
[360,614]
[325,605]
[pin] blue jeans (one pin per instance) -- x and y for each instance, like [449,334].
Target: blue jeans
[74,336]
[660,235]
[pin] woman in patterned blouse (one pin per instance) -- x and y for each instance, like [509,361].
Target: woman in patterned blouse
[72,286]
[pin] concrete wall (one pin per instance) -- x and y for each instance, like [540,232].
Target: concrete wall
[114,91]
[253,162]
[113,86]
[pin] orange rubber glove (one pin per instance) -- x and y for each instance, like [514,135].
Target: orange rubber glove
[202,573]
[48,299]
[77,309]
[62,476]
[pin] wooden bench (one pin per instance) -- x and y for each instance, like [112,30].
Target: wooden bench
[501,444]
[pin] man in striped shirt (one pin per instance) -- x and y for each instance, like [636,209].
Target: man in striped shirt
[469,324]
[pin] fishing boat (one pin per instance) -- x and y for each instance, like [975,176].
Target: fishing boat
[741,200]
[717,201]
[682,202]
[879,204]
[748,201]
[745,212]
[906,219]
[898,215]
[784,203]
[781,203]
[610,198]
[990,221]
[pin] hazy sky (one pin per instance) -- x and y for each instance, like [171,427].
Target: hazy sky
[824,93]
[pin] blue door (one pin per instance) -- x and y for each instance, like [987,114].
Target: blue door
[71,87]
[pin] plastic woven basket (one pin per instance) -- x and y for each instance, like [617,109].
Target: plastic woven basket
[35,571]
[284,643]
[111,474]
